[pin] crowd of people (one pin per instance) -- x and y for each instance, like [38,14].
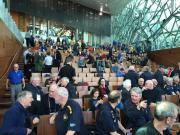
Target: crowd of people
[140,91]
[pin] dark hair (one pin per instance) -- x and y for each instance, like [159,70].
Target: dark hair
[114,96]
[99,82]
[68,59]
[48,53]
[93,91]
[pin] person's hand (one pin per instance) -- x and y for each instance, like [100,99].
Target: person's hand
[152,104]
[125,131]
[35,120]
[143,104]
[52,119]
[29,131]
[100,101]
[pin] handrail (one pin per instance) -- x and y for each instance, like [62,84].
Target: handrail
[13,58]
[11,25]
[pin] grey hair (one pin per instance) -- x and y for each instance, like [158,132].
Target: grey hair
[136,90]
[175,77]
[62,91]
[65,79]
[169,80]
[35,78]
[127,83]
[165,109]
[23,95]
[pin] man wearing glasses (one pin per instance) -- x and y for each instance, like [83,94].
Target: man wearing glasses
[16,81]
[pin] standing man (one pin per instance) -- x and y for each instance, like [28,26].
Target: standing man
[67,70]
[132,75]
[108,118]
[50,104]
[15,119]
[16,80]
[69,119]
[38,105]
[158,75]
[165,115]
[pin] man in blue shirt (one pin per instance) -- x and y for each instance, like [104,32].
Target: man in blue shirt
[16,80]
[69,119]
[15,119]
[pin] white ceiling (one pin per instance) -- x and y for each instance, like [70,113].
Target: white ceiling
[109,6]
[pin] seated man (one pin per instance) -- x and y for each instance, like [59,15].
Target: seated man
[108,118]
[136,111]
[53,79]
[69,119]
[165,115]
[150,94]
[15,119]
[69,86]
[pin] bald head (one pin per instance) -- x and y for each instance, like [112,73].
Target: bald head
[53,89]
[16,67]
[132,68]
[114,96]
[149,84]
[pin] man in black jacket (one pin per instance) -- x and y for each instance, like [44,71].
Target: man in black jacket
[38,105]
[67,70]
[69,86]
[133,76]
[159,76]
[136,111]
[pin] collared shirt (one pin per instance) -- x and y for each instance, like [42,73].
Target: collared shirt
[15,77]
[48,60]
[107,120]
[70,117]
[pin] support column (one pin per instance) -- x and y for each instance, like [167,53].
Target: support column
[77,34]
[34,25]
[47,34]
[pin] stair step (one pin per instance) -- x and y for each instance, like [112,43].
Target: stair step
[5,104]
[5,95]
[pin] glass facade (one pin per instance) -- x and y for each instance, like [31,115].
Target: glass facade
[153,23]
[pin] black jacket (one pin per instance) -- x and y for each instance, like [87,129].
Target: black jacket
[133,76]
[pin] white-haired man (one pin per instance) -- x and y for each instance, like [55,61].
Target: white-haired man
[69,119]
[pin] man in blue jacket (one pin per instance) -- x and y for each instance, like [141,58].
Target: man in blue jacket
[15,121]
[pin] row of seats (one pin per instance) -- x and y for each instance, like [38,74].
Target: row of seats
[90,70]
[95,74]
